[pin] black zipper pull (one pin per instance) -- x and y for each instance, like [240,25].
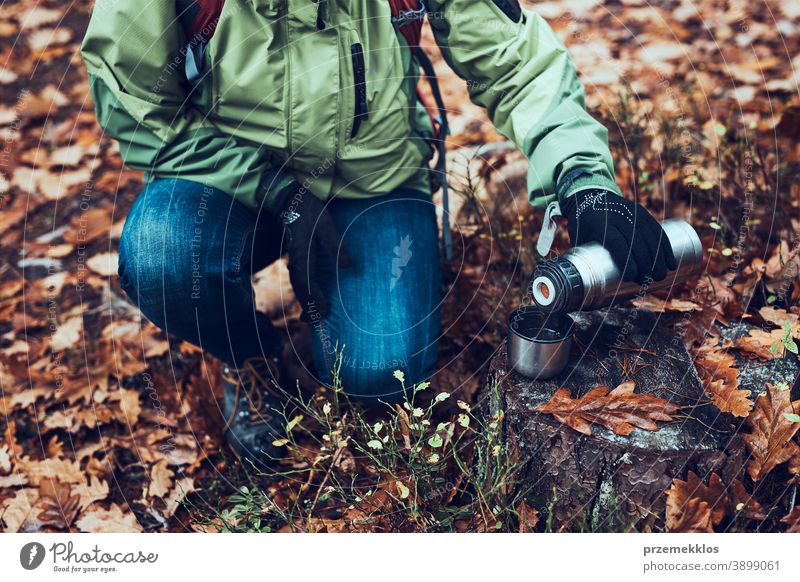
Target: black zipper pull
[360,87]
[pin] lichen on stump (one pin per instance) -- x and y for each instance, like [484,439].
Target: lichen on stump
[605,481]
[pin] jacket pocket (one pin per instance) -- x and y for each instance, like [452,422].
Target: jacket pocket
[360,111]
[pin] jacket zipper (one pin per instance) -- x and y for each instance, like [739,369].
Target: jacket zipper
[360,85]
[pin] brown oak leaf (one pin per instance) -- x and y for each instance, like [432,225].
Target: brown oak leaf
[720,377]
[16,513]
[681,514]
[67,471]
[182,488]
[528,517]
[779,317]
[691,515]
[651,303]
[744,504]
[620,410]
[160,479]
[770,438]
[59,507]
[112,520]
[95,489]
[764,344]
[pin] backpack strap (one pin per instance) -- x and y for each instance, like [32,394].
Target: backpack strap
[441,131]
[407,17]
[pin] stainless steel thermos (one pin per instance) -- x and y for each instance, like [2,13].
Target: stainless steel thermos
[586,278]
[583,278]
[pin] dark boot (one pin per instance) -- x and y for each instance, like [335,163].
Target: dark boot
[253,411]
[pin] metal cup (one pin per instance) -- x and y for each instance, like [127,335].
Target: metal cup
[538,343]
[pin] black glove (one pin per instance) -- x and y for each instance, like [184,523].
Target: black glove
[306,225]
[636,241]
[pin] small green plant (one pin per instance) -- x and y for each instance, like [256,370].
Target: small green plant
[245,513]
[786,340]
[410,467]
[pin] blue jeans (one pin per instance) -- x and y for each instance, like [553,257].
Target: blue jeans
[188,251]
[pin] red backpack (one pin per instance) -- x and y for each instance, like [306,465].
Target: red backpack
[199,19]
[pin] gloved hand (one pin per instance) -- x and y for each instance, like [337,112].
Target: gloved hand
[636,241]
[307,225]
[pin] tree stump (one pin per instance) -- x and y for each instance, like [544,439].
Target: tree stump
[607,482]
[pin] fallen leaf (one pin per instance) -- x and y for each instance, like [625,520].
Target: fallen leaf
[53,284]
[55,448]
[528,517]
[5,459]
[720,377]
[9,437]
[156,348]
[18,510]
[38,15]
[765,345]
[651,303]
[770,438]
[59,419]
[59,507]
[744,504]
[57,185]
[792,520]
[13,480]
[130,406]
[42,39]
[66,470]
[104,264]
[67,156]
[95,490]
[779,317]
[67,334]
[712,496]
[620,410]
[89,226]
[7,76]
[688,515]
[112,520]
[60,251]
[179,492]
[403,422]
[160,479]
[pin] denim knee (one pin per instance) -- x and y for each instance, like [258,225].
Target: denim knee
[185,261]
[172,262]
[150,273]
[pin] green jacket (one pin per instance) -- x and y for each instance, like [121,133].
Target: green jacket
[274,99]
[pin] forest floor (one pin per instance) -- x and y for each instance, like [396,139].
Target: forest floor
[107,424]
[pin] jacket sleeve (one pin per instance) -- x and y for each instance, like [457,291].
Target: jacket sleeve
[134,55]
[520,72]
